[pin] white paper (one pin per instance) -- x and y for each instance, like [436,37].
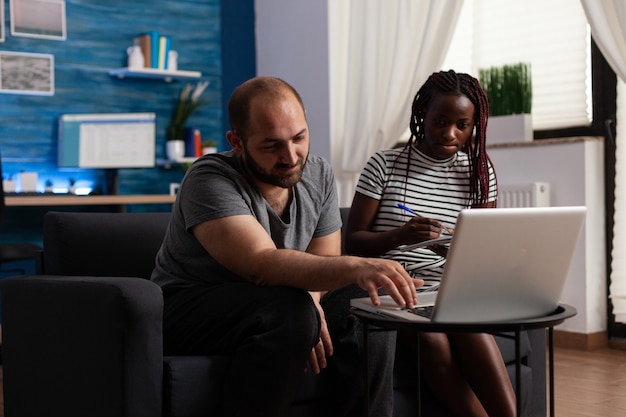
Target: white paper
[439,241]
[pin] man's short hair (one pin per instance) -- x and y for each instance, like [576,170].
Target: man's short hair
[239,102]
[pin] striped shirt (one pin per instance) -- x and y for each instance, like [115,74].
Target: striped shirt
[438,189]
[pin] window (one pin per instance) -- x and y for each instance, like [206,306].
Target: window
[552,35]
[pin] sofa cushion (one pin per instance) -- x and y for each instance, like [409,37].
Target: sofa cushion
[507,346]
[102,244]
[191,386]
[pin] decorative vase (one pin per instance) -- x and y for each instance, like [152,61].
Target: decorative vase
[8,185]
[135,57]
[510,129]
[175,149]
[28,181]
[209,149]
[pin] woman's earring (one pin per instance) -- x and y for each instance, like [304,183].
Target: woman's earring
[420,130]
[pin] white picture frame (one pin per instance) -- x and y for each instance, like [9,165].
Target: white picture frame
[1,21]
[43,19]
[26,73]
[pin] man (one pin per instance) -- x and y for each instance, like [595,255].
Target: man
[251,250]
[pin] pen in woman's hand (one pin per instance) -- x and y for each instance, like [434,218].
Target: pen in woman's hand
[405,208]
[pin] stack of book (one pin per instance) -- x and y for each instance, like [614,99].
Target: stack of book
[155,48]
[193,142]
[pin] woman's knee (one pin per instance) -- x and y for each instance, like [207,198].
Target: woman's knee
[475,343]
[436,351]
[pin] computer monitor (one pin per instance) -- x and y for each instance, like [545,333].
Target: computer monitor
[107,140]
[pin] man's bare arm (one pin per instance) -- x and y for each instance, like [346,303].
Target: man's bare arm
[241,245]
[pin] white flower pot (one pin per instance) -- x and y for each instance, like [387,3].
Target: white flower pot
[510,129]
[8,186]
[28,181]
[209,149]
[175,149]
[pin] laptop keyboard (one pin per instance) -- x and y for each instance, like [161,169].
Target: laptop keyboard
[424,311]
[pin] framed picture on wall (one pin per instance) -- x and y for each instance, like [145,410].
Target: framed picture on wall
[1,21]
[26,73]
[44,19]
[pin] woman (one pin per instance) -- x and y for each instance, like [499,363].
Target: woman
[442,169]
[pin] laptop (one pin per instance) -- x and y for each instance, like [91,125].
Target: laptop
[503,264]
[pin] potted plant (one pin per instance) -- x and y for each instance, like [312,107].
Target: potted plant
[187,102]
[209,146]
[509,91]
[72,188]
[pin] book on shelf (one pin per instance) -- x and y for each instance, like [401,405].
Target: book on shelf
[193,142]
[197,137]
[154,48]
[143,41]
[165,43]
[190,142]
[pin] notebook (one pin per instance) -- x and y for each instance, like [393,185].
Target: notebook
[503,264]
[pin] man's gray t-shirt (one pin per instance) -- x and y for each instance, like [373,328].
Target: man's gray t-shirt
[215,186]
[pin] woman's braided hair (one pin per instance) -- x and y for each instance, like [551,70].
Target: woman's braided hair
[452,83]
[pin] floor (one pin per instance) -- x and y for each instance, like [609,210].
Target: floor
[587,383]
[590,383]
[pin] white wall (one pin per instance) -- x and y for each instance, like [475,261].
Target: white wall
[292,44]
[575,170]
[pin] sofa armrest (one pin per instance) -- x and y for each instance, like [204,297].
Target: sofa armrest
[81,346]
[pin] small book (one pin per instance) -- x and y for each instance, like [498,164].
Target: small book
[198,142]
[143,41]
[164,51]
[154,48]
[190,142]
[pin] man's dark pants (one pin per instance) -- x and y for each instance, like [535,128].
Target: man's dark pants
[269,333]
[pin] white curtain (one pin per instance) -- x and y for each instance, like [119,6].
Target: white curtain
[607,19]
[380,51]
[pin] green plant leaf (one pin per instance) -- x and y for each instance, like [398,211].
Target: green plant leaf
[508,88]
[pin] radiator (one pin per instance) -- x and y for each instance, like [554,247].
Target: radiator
[534,194]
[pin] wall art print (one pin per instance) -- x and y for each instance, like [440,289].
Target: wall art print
[1,21]
[44,19]
[26,73]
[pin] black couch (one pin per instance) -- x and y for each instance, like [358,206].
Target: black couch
[84,337]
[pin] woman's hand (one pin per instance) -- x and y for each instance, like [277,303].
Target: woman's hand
[440,250]
[419,229]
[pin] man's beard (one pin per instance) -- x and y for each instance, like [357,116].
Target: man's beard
[272,177]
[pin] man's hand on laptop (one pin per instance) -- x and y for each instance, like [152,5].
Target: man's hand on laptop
[392,277]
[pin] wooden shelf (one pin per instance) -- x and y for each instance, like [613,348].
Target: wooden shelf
[154,73]
[169,163]
[79,200]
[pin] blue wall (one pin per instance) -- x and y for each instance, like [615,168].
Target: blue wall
[238,48]
[98,34]
[214,37]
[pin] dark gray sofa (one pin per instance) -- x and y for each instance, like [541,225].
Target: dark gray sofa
[84,337]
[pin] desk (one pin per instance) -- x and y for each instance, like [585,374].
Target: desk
[86,200]
[562,312]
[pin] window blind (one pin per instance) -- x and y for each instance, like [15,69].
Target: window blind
[552,35]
